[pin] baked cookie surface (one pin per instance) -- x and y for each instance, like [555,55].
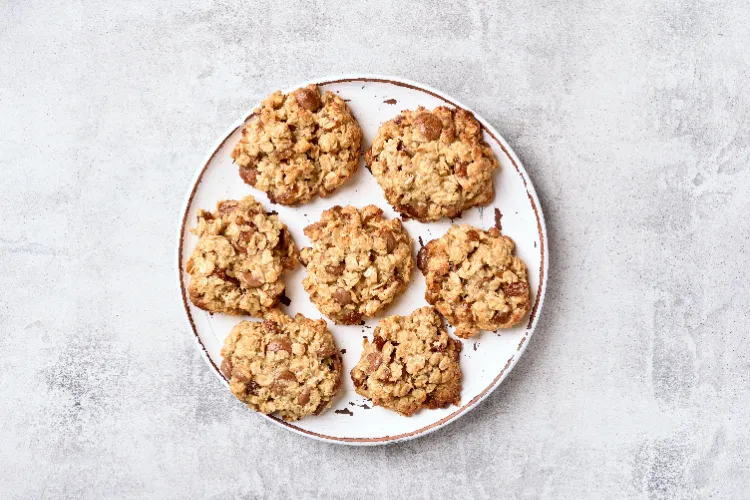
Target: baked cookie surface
[475,280]
[283,365]
[432,164]
[411,363]
[299,145]
[359,262]
[238,262]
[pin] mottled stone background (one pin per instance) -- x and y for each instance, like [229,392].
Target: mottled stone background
[632,118]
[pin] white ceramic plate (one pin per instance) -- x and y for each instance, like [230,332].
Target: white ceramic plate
[486,359]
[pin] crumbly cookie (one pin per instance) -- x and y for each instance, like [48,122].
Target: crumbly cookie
[433,164]
[411,363]
[285,365]
[237,265]
[358,264]
[475,280]
[299,145]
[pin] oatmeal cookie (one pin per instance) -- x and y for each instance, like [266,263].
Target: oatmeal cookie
[475,280]
[433,164]
[285,365]
[411,363]
[237,265]
[299,145]
[358,264]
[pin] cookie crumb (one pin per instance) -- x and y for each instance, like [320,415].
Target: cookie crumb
[498,219]
[390,101]
[363,405]
[345,411]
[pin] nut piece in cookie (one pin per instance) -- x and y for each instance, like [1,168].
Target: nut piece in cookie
[299,145]
[433,164]
[475,279]
[283,365]
[411,363]
[238,262]
[359,262]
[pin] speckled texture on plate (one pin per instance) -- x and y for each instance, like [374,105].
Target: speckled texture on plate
[632,118]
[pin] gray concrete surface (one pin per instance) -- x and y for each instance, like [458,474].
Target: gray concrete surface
[633,119]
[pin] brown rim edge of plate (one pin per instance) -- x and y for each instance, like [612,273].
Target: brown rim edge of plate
[478,397]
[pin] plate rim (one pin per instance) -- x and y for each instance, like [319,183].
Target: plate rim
[534,314]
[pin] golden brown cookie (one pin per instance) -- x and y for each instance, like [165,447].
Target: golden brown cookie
[359,262]
[433,164]
[285,365]
[475,280]
[411,363]
[237,265]
[299,145]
